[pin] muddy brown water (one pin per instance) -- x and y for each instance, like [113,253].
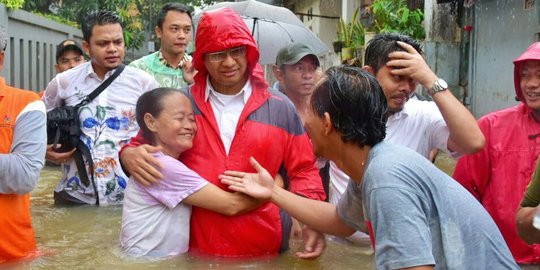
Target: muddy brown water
[87,238]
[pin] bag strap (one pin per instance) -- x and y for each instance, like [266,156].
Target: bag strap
[101,87]
[81,147]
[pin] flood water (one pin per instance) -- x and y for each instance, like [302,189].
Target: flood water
[87,238]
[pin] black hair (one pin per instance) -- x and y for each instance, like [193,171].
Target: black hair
[98,17]
[151,102]
[383,44]
[172,7]
[356,104]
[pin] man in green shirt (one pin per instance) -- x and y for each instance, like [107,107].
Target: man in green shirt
[171,65]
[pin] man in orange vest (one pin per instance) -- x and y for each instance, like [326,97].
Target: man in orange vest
[22,155]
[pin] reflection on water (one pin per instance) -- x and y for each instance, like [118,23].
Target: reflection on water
[87,238]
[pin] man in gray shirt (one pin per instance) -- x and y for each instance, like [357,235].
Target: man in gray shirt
[416,215]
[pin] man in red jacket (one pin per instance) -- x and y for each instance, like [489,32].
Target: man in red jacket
[238,117]
[499,174]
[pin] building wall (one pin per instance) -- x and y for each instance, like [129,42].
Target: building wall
[502,31]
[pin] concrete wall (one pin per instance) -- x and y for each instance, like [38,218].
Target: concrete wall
[502,31]
[31,49]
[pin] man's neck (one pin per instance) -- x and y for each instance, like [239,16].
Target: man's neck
[100,71]
[172,59]
[301,102]
[351,159]
[232,90]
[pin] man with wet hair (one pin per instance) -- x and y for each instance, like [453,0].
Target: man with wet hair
[108,121]
[22,151]
[396,61]
[418,217]
[171,65]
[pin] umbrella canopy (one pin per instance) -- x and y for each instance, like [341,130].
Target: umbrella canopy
[272,27]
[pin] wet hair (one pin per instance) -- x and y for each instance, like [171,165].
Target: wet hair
[172,7]
[383,44]
[98,17]
[3,39]
[151,102]
[356,104]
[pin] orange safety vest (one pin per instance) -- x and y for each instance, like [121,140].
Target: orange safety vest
[16,232]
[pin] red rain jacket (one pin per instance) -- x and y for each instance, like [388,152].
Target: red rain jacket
[269,129]
[498,175]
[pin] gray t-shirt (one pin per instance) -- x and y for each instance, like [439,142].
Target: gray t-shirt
[421,216]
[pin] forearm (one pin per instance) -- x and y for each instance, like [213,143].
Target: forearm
[240,204]
[465,135]
[21,167]
[524,222]
[318,215]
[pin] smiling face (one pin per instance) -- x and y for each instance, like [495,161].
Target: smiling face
[175,33]
[397,89]
[530,84]
[174,128]
[105,47]
[227,69]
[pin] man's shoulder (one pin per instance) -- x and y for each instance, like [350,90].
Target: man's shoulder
[143,60]
[139,74]
[508,115]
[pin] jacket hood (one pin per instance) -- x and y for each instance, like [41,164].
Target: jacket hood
[222,29]
[532,53]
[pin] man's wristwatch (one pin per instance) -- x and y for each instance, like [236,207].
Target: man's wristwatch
[438,86]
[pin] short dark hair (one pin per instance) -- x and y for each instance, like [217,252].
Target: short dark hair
[356,104]
[174,7]
[383,44]
[151,102]
[98,17]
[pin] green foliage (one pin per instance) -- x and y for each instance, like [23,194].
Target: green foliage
[395,16]
[13,4]
[351,34]
[138,16]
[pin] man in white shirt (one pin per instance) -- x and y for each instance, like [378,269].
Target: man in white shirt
[108,121]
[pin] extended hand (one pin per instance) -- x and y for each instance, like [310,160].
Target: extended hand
[257,185]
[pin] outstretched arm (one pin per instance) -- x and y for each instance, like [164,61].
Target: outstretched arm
[320,216]
[465,135]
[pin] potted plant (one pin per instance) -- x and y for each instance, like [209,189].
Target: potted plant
[351,35]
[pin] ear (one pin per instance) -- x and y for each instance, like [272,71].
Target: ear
[150,122]
[278,73]
[328,126]
[86,48]
[369,69]
[158,32]
[57,68]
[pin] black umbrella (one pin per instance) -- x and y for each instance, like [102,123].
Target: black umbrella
[272,27]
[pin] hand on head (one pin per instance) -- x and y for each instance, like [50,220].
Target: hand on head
[411,64]
[258,185]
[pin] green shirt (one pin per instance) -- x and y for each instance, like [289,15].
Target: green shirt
[164,74]
[532,195]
